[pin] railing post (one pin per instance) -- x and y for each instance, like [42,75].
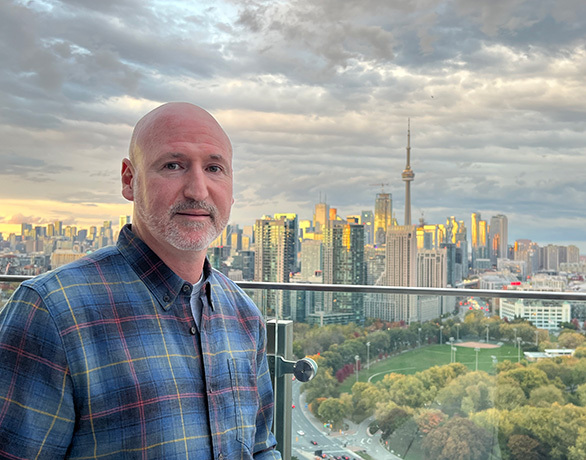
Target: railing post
[280,343]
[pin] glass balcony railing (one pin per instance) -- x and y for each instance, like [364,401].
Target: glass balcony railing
[422,373]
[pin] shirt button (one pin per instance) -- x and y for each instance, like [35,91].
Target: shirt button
[193,330]
[166,298]
[186,288]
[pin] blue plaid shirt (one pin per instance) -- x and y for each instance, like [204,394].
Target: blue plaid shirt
[101,358]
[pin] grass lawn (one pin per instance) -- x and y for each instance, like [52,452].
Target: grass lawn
[423,358]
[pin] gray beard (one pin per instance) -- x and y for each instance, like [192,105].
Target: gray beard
[188,236]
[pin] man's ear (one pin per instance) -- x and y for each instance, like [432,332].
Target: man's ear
[127,176]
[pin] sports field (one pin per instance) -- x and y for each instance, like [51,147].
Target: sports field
[423,358]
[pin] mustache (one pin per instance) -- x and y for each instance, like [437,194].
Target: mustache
[194,204]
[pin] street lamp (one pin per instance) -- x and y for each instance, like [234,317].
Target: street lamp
[441,335]
[487,330]
[454,349]
[419,331]
[368,356]
[356,359]
[476,350]
[515,329]
[537,337]
[519,349]
[452,354]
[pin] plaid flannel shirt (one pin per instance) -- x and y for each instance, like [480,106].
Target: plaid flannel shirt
[101,359]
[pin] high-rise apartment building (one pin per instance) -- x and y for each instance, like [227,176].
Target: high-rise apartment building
[294,220]
[274,260]
[401,269]
[311,258]
[383,215]
[432,271]
[343,263]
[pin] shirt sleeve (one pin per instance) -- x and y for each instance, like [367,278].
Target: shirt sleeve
[36,399]
[265,442]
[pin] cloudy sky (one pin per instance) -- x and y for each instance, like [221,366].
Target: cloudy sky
[315,95]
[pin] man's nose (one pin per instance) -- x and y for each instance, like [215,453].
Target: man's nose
[195,186]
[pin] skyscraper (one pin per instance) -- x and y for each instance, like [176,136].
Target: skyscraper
[408,175]
[499,241]
[343,262]
[321,217]
[383,214]
[274,260]
[367,219]
[401,269]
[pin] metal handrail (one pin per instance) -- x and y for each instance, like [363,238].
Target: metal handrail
[503,293]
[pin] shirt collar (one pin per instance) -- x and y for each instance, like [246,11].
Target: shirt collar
[163,283]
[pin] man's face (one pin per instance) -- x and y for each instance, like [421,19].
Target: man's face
[182,184]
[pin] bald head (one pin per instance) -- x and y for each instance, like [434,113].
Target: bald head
[153,127]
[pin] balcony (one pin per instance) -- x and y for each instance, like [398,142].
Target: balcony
[454,387]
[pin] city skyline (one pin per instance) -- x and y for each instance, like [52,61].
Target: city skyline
[314,104]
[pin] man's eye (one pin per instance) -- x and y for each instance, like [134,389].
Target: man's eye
[172,166]
[214,168]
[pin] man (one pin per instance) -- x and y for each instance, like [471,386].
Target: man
[142,350]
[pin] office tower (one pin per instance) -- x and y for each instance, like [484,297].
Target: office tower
[383,215]
[58,228]
[311,258]
[26,230]
[81,235]
[483,239]
[367,219]
[274,259]
[321,217]
[401,269]
[343,263]
[50,230]
[498,235]
[430,236]
[432,271]
[408,175]
[461,242]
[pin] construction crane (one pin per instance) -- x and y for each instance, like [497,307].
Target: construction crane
[382,186]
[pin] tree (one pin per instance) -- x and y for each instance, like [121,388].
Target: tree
[409,392]
[364,399]
[524,447]
[546,395]
[391,417]
[451,398]
[509,396]
[457,439]
[578,451]
[528,378]
[332,410]
[322,385]
[429,419]
[478,398]
[571,340]
[580,352]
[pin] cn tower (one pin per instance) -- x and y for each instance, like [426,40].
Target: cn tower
[408,175]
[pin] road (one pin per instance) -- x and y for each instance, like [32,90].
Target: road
[332,444]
